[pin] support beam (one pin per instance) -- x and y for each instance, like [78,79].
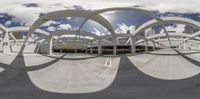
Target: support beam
[1,44]
[199,47]
[146,41]
[91,47]
[86,49]
[6,44]
[114,49]
[50,45]
[154,46]
[158,45]
[99,47]
[115,45]
[185,45]
[167,34]
[146,45]
[13,37]
[133,47]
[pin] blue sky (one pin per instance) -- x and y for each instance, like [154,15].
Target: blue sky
[25,12]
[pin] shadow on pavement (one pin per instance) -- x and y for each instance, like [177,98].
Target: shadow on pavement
[129,83]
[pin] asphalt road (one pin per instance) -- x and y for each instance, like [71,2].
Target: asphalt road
[130,83]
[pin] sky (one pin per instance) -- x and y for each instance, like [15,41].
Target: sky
[25,12]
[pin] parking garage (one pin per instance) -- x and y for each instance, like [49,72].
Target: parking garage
[77,64]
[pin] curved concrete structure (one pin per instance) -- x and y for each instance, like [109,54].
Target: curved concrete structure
[97,12]
[71,13]
[171,73]
[166,20]
[26,29]
[3,28]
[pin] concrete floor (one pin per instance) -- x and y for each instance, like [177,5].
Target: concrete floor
[162,74]
[169,66]
[73,76]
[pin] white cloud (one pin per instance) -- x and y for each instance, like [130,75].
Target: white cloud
[1,16]
[96,31]
[162,5]
[8,23]
[179,28]
[69,18]
[50,22]
[27,15]
[51,28]
[123,28]
[64,27]
[23,15]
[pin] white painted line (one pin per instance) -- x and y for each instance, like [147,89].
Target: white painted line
[108,62]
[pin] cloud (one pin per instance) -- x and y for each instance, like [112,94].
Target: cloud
[26,12]
[1,16]
[8,23]
[123,28]
[51,22]
[179,28]
[161,5]
[51,29]
[21,14]
[96,31]
[64,27]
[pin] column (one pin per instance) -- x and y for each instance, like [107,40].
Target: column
[133,40]
[99,47]
[199,46]
[6,44]
[1,44]
[179,46]
[146,45]
[86,49]
[61,51]
[158,45]
[114,49]
[154,46]
[91,47]
[75,50]
[185,45]
[50,45]
[115,42]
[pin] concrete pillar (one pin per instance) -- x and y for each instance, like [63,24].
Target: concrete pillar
[146,45]
[158,45]
[91,47]
[37,48]
[75,50]
[133,40]
[50,45]
[86,48]
[115,42]
[179,46]
[199,47]
[86,51]
[114,49]
[6,44]
[185,45]
[154,46]
[99,47]
[1,45]
[61,50]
